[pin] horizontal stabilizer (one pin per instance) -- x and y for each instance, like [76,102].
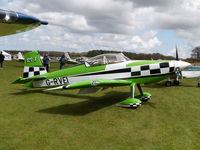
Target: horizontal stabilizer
[25,80]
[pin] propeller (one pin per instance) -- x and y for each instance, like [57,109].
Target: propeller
[177,57]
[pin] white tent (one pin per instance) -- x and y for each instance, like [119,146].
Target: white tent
[7,56]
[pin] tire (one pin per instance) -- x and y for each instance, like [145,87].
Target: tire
[198,84]
[168,83]
[176,82]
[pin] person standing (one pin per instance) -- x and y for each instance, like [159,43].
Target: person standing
[46,62]
[62,61]
[2,57]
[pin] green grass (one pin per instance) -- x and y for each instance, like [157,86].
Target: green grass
[62,120]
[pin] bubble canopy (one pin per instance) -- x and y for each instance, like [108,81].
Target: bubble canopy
[105,59]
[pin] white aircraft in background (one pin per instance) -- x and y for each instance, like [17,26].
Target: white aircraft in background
[192,72]
[69,59]
[20,56]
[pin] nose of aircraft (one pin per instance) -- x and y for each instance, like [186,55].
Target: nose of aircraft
[181,64]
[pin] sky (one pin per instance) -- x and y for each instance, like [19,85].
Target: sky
[139,26]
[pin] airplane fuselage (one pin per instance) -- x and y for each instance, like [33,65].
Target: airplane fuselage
[135,71]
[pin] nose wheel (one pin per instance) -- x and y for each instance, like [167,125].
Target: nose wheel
[168,83]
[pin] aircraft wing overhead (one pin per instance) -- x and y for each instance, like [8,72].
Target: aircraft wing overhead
[97,83]
[14,22]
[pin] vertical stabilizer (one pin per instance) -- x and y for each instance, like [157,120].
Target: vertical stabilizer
[32,59]
[20,56]
[67,56]
[33,65]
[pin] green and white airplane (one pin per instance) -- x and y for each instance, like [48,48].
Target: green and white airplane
[103,71]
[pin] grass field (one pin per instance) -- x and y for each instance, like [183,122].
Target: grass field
[62,120]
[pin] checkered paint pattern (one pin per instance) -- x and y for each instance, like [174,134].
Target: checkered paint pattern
[33,71]
[152,69]
[131,105]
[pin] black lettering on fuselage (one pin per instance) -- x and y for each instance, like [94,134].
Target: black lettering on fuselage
[55,80]
[48,82]
[60,80]
[65,80]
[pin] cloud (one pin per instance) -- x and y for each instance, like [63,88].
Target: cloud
[131,25]
[151,3]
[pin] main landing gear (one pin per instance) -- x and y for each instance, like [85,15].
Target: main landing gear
[135,100]
[170,83]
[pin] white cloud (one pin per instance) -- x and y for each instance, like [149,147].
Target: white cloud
[131,25]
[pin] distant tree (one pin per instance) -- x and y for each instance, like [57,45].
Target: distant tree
[196,53]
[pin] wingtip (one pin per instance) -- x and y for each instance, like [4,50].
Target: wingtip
[44,22]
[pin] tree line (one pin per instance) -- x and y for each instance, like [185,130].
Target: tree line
[195,54]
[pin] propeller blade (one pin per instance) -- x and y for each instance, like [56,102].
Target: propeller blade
[177,57]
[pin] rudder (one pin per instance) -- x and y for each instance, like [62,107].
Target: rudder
[33,65]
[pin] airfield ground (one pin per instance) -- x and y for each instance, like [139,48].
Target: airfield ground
[62,120]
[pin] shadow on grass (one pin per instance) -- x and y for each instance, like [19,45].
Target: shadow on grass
[40,91]
[91,104]
[194,86]
[27,91]
[155,85]
[161,85]
[85,107]
[68,95]
[152,105]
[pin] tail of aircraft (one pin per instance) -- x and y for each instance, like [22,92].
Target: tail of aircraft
[69,58]
[20,57]
[33,65]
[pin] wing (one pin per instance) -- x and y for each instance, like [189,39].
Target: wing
[14,22]
[98,83]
